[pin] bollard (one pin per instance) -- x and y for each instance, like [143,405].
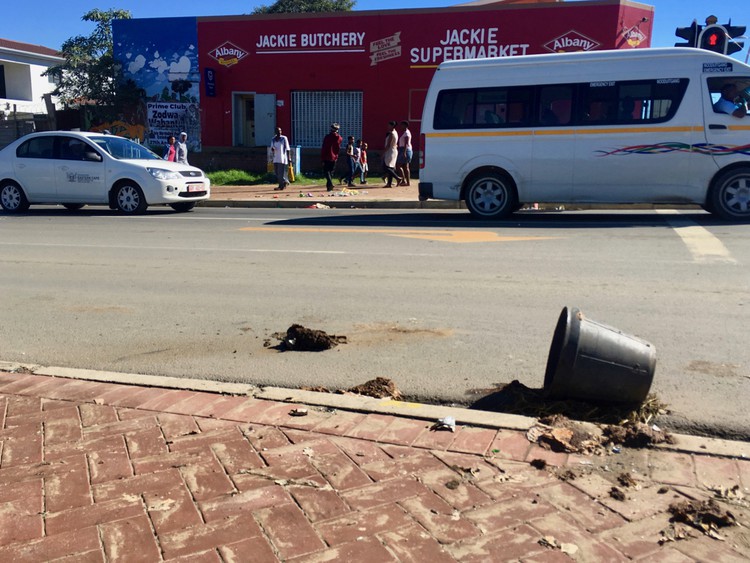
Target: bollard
[594,362]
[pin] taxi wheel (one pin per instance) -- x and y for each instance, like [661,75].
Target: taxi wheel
[490,195]
[730,195]
[129,199]
[182,207]
[12,198]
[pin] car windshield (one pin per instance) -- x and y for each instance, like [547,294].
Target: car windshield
[123,149]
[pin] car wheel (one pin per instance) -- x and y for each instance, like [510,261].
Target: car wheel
[730,195]
[129,199]
[182,207]
[73,206]
[490,195]
[12,198]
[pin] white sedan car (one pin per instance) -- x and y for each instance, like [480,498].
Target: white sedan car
[75,169]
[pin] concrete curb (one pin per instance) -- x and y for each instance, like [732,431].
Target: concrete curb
[684,443]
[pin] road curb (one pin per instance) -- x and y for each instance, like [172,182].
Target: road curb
[684,443]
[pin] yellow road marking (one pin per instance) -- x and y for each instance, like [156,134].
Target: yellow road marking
[424,234]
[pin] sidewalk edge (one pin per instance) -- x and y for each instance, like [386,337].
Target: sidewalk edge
[698,445]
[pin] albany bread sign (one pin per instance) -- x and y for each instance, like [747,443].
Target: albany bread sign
[227,54]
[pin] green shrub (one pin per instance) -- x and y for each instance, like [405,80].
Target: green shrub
[241,178]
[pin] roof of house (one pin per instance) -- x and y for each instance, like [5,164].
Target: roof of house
[28,48]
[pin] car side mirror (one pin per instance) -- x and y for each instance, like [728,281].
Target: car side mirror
[92,156]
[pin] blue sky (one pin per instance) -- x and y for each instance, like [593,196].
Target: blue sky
[50,22]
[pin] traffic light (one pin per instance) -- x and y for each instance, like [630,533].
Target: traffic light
[714,38]
[690,34]
[734,31]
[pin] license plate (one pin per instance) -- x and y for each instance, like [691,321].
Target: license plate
[196,188]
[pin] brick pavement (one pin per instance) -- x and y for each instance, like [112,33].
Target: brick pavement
[94,471]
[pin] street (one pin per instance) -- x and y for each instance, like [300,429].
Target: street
[448,308]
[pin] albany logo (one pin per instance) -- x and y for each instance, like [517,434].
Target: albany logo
[227,54]
[634,36]
[570,42]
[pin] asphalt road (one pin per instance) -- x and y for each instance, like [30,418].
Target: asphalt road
[447,307]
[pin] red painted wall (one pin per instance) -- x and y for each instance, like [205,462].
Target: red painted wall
[389,55]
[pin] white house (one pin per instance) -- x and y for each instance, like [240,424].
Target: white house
[21,82]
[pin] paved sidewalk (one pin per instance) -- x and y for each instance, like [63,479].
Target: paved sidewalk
[101,471]
[371,195]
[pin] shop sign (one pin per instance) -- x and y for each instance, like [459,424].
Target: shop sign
[227,54]
[634,36]
[570,42]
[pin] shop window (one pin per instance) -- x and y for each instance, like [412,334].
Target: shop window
[313,113]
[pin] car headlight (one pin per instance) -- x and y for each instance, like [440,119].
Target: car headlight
[162,174]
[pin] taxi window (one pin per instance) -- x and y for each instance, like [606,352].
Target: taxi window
[38,147]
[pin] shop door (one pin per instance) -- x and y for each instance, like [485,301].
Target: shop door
[265,118]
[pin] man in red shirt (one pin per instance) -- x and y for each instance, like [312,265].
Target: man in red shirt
[329,154]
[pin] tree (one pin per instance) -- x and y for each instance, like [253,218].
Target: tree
[88,74]
[303,6]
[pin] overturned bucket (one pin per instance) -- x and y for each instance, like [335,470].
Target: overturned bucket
[595,362]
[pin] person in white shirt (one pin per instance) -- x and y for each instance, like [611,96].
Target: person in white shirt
[405,154]
[728,104]
[182,149]
[281,154]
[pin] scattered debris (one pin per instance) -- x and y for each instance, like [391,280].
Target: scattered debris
[380,388]
[553,543]
[317,206]
[559,434]
[303,339]
[516,398]
[674,532]
[453,484]
[539,464]
[317,389]
[448,423]
[733,495]
[637,434]
[705,516]
[617,494]
[626,480]
[566,475]
[298,412]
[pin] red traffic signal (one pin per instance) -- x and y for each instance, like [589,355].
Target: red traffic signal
[714,38]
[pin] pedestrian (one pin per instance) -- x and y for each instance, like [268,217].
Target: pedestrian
[390,155]
[363,163]
[281,154]
[329,154]
[350,161]
[358,160]
[405,154]
[182,149]
[170,151]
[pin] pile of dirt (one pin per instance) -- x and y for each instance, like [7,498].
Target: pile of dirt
[636,434]
[517,398]
[303,339]
[706,516]
[560,434]
[380,387]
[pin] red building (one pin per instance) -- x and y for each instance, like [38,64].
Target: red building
[365,68]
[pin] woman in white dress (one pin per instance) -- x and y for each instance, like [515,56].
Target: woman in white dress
[390,154]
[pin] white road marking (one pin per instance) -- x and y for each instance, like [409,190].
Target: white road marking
[705,247]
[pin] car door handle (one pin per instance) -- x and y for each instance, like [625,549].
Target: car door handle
[716,126]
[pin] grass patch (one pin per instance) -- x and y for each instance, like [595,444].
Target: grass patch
[242,178]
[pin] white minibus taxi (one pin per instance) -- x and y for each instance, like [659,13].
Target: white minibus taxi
[637,126]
